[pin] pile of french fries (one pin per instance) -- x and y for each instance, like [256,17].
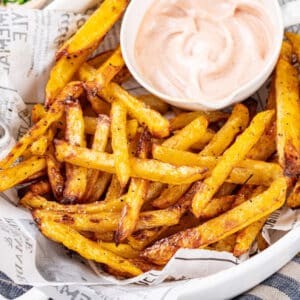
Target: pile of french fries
[109,177]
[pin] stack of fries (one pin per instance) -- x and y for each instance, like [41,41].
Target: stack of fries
[111,178]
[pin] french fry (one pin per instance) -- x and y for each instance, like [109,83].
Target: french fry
[247,236]
[188,136]
[40,188]
[205,139]
[293,200]
[230,158]
[85,247]
[219,228]
[76,182]
[72,90]
[18,173]
[99,106]
[155,189]
[184,119]
[32,201]
[226,189]
[38,112]
[114,190]
[100,186]
[39,147]
[99,144]
[119,142]
[288,114]
[170,195]
[294,38]
[226,244]
[136,195]
[77,49]
[261,242]
[246,192]
[245,172]
[157,124]
[149,169]
[155,103]
[286,52]
[122,250]
[236,123]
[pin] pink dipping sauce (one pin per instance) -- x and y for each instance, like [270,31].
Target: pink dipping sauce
[204,49]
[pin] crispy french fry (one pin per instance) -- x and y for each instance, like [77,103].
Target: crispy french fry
[76,176]
[293,200]
[286,52]
[85,247]
[155,189]
[33,201]
[205,139]
[184,119]
[17,174]
[149,169]
[136,195]
[114,191]
[77,49]
[35,176]
[226,189]
[155,103]
[119,142]
[39,147]
[122,250]
[38,112]
[294,38]
[170,195]
[40,188]
[247,236]
[246,192]
[72,90]
[99,144]
[188,136]
[226,244]
[230,158]
[157,124]
[101,186]
[236,123]
[245,172]
[261,242]
[219,228]
[288,114]
[99,106]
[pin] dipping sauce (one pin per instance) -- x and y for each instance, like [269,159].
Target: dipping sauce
[204,49]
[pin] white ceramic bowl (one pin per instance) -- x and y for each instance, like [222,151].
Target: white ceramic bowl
[131,24]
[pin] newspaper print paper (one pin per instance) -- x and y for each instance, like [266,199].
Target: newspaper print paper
[28,40]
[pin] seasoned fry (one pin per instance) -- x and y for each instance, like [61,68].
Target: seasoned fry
[247,236]
[294,38]
[205,139]
[188,136]
[17,174]
[226,244]
[122,250]
[288,114]
[32,201]
[136,195]
[99,144]
[286,52]
[76,176]
[184,119]
[77,49]
[157,125]
[155,103]
[236,123]
[100,186]
[114,191]
[40,188]
[38,112]
[72,90]
[231,157]
[119,142]
[222,226]
[85,247]
[293,200]
[149,169]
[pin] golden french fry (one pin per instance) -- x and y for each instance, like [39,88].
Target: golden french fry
[72,90]
[38,112]
[232,156]
[149,169]
[155,189]
[100,186]
[293,200]
[245,172]
[18,173]
[236,123]
[247,236]
[122,250]
[77,49]
[98,105]
[76,176]
[226,189]
[246,192]
[85,247]
[288,114]
[157,124]
[170,195]
[205,139]
[136,195]
[226,244]
[261,242]
[188,136]
[294,38]
[39,147]
[219,228]
[99,144]
[184,119]
[119,142]
[40,188]
[286,52]
[32,201]
[114,190]
[155,103]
